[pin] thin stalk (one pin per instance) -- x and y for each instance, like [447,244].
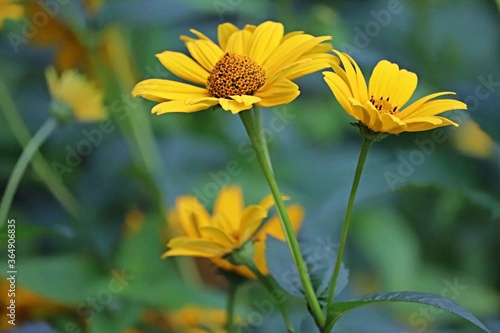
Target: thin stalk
[254,131]
[271,286]
[40,165]
[345,226]
[230,307]
[22,163]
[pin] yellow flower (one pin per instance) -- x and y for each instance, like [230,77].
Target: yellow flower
[76,92]
[10,10]
[190,319]
[471,140]
[229,227]
[254,65]
[380,106]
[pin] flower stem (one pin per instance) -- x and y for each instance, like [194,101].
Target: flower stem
[40,165]
[345,227]
[270,284]
[250,119]
[230,307]
[31,148]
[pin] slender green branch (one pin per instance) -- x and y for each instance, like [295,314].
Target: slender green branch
[254,131]
[40,165]
[230,307]
[31,148]
[271,286]
[345,227]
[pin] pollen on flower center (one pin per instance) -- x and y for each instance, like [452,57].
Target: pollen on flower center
[235,74]
[383,105]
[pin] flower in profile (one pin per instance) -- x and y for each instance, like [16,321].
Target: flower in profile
[227,229]
[380,106]
[75,92]
[10,10]
[251,66]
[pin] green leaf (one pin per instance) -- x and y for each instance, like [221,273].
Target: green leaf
[320,261]
[341,308]
[67,279]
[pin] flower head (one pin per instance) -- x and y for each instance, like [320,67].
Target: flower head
[254,65]
[380,106]
[76,92]
[9,10]
[227,229]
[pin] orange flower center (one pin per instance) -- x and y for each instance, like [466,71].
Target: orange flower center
[383,105]
[235,75]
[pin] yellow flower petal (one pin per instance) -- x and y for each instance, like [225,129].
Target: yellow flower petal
[273,226]
[341,91]
[239,42]
[409,111]
[184,67]
[403,88]
[238,103]
[162,90]
[206,53]
[204,247]
[185,106]
[435,107]
[191,215]
[425,123]
[251,219]
[392,124]
[225,31]
[282,91]
[290,51]
[219,237]
[265,39]
[230,202]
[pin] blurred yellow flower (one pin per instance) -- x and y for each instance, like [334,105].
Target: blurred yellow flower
[380,106]
[471,140]
[229,227]
[10,10]
[29,306]
[76,92]
[254,65]
[54,33]
[190,319]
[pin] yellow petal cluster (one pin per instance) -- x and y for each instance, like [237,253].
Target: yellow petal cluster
[380,105]
[227,229]
[251,66]
[75,91]
[10,10]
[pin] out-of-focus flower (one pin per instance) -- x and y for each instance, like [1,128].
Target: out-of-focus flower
[10,10]
[471,140]
[251,66]
[191,319]
[54,33]
[77,93]
[380,105]
[29,306]
[229,227]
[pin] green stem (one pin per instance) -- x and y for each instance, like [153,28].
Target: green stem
[271,286]
[230,307]
[40,165]
[31,148]
[345,227]
[250,119]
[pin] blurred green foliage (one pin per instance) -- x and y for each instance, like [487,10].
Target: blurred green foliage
[437,224]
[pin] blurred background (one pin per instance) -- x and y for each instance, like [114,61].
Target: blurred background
[89,241]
